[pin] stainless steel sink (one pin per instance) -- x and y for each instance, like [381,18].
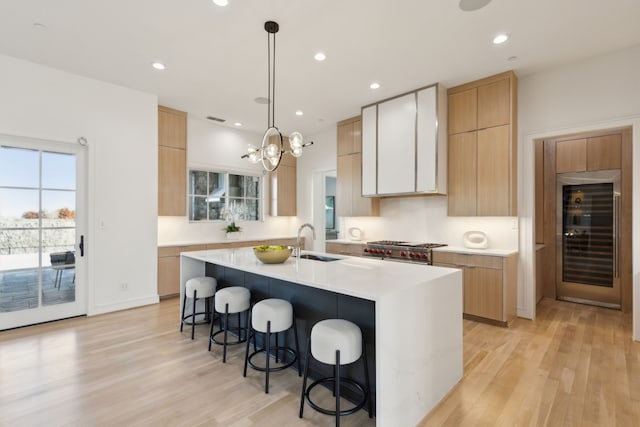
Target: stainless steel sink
[318,257]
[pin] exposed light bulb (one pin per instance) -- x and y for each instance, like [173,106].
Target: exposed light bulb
[296,152]
[295,140]
[272,151]
[500,38]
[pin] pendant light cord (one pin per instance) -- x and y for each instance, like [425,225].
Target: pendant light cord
[271,73]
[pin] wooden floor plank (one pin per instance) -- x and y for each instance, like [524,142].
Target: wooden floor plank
[574,365]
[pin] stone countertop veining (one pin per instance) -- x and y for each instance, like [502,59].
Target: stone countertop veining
[360,277]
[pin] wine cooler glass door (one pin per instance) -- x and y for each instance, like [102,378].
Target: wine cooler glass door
[588,238]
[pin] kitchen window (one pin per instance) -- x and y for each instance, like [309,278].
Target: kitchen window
[211,193]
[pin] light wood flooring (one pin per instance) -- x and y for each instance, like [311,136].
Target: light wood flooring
[574,366]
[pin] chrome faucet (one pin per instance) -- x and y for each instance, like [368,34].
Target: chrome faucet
[297,250]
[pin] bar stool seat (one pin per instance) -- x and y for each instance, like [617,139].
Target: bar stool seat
[197,288]
[234,299]
[272,316]
[336,342]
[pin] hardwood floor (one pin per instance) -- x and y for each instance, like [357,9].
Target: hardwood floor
[135,368]
[574,366]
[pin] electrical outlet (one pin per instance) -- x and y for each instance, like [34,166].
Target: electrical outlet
[124,286]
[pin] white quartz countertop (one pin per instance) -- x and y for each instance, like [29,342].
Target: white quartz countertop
[359,277]
[488,251]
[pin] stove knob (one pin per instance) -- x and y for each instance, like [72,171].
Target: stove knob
[366,250]
[379,251]
[402,253]
[423,256]
[388,252]
[411,255]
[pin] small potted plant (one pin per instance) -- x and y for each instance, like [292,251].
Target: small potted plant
[231,215]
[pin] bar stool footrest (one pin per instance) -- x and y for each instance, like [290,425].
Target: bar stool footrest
[239,338]
[331,380]
[287,350]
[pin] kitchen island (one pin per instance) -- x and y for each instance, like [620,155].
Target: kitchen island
[415,314]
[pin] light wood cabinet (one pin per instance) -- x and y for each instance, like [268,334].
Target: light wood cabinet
[169,268]
[482,129]
[172,162]
[463,111]
[494,104]
[588,154]
[349,200]
[340,248]
[463,164]
[493,169]
[282,188]
[489,284]
[169,260]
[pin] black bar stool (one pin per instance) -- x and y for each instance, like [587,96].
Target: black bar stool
[336,342]
[268,317]
[232,300]
[197,288]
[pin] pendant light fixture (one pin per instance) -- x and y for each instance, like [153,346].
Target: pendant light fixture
[272,148]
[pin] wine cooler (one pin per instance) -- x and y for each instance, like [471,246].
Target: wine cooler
[589,237]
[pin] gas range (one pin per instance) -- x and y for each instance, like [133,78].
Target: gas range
[393,250]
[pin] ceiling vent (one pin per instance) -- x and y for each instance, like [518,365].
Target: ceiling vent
[216,119]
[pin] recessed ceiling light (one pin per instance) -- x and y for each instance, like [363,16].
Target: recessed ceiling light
[39,26]
[319,56]
[261,100]
[221,2]
[375,85]
[512,58]
[158,65]
[471,5]
[500,38]
[237,124]
[299,113]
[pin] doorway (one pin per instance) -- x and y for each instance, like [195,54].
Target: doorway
[42,231]
[583,218]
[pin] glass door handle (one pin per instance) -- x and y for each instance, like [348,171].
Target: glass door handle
[81,245]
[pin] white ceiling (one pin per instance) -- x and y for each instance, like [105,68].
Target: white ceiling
[216,57]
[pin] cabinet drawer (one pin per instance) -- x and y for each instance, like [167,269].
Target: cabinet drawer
[344,249]
[467,260]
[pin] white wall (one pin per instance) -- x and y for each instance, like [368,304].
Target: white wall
[215,147]
[599,93]
[121,128]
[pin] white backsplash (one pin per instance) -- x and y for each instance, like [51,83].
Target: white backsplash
[424,219]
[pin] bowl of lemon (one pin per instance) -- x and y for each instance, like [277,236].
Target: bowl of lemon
[272,254]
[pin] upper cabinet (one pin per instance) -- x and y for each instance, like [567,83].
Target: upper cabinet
[172,162]
[483,147]
[349,200]
[282,186]
[588,154]
[404,144]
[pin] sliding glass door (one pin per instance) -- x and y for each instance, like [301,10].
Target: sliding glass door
[41,228]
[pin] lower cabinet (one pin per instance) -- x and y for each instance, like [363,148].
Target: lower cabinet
[489,284]
[169,260]
[169,268]
[351,249]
